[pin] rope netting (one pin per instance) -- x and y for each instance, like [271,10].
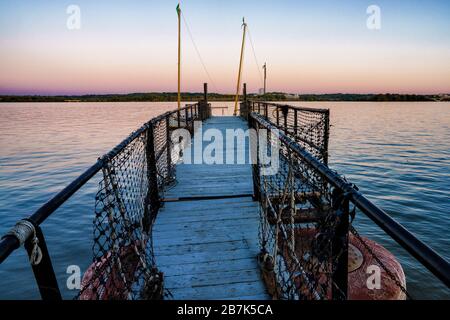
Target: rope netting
[135,176]
[297,228]
[301,219]
[307,127]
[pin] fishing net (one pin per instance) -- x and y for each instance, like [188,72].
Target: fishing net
[309,128]
[297,226]
[135,176]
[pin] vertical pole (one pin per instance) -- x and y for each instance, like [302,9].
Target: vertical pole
[327,137]
[236,100]
[153,200]
[186,114]
[169,150]
[295,121]
[205,92]
[254,150]
[285,114]
[244,92]
[340,251]
[43,272]
[278,116]
[265,76]
[179,56]
[204,105]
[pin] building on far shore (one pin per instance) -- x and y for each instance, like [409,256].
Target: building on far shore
[291,96]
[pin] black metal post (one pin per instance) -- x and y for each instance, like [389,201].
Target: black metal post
[278,116]
[205,92]
[153,201]
[186,115]
[254,149]
[285,115]
[43,272]
[327,137]
[340,248]
[295,121]
[168,144]
[244,91]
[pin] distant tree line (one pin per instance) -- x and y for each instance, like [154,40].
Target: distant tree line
[189,97]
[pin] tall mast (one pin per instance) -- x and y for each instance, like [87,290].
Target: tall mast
[179,56]
[265,76]
[236,101]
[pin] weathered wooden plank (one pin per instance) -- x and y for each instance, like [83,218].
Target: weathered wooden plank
[227,235]
[202,247]
[198,218]
[224,291]
[215,266]
[209,225]
[204,257]
[213,278]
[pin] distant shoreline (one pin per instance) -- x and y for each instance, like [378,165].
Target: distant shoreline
[191,97]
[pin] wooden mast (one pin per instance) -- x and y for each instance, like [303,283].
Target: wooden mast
[265,77]
[179,56]
[236,101]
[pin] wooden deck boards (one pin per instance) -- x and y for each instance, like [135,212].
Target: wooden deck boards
[207,248]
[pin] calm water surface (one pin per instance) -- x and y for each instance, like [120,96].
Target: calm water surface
[397,153]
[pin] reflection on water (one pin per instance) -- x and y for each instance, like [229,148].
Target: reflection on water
[397,153]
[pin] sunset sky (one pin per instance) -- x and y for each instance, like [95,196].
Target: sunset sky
[310,46]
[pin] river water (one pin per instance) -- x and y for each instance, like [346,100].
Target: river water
[397,153]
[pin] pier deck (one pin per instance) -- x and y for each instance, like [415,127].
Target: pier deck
[206,242]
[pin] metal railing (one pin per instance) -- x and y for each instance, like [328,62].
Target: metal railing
[307,211]
[309,127]
[144,161]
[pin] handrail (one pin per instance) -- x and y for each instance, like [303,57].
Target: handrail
[307,109]
[429,258]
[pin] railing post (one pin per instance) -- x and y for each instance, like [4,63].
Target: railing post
[254,151]
[278,116]
[153,201]
[326,137]
[285,115]
[295,121]
[245,111]
[43,272]
[186,115]
[169,151]
[192,119]
[340,247]
[205,92]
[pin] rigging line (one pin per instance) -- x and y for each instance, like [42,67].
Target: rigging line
[198,53]
[254,56]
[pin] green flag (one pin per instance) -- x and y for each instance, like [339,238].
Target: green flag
[178,8]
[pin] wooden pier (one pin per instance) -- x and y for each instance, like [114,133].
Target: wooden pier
[206,234]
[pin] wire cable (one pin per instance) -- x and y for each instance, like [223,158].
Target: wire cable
[198,52]
[255,57]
